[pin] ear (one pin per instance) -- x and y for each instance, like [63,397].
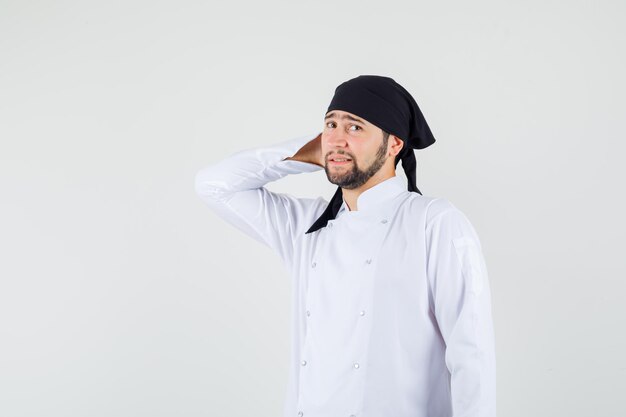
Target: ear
[395,145]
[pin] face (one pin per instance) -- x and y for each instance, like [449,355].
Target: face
[347,136]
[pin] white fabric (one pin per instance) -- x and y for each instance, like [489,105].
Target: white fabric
[391,308]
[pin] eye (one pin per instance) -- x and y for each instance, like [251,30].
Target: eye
[331,124]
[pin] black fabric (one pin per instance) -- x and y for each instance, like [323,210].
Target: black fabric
[386,104]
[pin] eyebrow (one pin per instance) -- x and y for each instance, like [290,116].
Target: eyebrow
[345,116]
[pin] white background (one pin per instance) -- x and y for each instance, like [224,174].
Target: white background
[121,294]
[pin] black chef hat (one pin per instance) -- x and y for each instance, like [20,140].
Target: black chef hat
[386,104]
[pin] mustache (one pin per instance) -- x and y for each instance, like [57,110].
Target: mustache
[331,154]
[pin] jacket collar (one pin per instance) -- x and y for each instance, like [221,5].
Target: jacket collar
[377,196]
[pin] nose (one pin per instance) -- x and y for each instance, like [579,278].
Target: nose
[336,139]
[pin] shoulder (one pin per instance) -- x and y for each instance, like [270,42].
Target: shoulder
[304,211]
[431,208]
[438,213]
[446,222]
[301,208]
[440,207]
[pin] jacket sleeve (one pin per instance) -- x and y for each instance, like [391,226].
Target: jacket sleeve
[234,189]
[462,306]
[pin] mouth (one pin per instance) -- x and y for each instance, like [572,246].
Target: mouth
[339,160]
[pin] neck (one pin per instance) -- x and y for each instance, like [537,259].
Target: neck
[351,196]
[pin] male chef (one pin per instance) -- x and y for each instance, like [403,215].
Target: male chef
[391,303]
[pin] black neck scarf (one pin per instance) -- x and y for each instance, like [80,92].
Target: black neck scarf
[387,105]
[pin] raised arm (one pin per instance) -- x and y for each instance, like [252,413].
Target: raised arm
[462,305]
[234,189]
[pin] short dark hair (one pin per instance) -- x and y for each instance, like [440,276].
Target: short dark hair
[385,137]
[384,144]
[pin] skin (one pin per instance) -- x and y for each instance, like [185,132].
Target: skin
[348,135]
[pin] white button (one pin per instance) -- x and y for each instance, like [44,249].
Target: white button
[308,313]
[368,261]
[384,221]
[300,413]
[362,313]
[303,363]
[313,264]
[356,365]
[330,225]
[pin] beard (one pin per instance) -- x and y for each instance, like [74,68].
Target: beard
[354,177]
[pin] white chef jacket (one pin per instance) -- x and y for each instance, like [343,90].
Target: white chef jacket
[391,306]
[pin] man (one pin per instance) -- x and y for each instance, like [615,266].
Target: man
[391,301]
